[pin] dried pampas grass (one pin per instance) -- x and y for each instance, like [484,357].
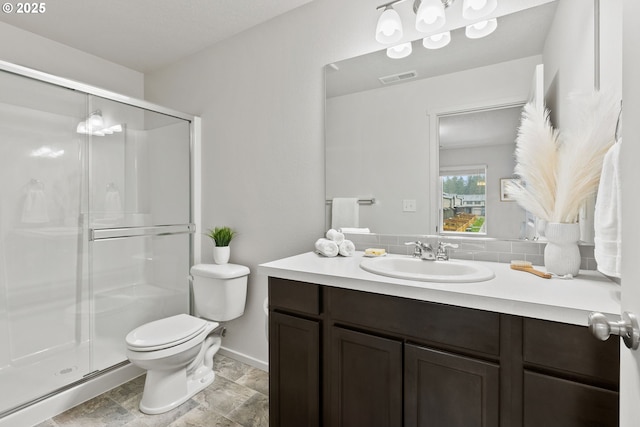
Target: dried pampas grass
[561,171]
[536,163]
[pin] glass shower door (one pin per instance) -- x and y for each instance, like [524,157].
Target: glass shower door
[95,231]
[44,338]
[139,220]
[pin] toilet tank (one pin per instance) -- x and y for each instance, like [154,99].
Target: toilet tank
[219,291]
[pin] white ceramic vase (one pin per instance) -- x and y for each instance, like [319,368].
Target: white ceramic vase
[221,254]
[562,255]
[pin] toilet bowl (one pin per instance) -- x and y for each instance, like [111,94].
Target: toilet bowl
[178,351]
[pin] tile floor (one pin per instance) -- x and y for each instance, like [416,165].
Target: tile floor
[238,397]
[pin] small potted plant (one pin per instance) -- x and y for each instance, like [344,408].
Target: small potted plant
[221,237]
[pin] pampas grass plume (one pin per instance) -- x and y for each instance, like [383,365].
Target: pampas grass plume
[536,162]
[560,172]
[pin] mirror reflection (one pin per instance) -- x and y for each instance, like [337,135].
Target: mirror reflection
[475,153]
[395,126]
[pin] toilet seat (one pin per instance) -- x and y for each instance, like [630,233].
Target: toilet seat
[165,333]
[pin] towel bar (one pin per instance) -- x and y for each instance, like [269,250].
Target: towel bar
[370,201]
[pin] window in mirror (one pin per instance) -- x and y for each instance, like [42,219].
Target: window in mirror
[463,201]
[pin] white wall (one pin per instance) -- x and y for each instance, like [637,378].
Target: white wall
[261,98]
[568,56]
[33,51]
[378,141]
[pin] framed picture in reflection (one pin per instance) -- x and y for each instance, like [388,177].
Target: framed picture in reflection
[504,185]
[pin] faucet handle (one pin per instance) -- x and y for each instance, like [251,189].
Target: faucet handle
[442,245]
[418,247]
[442,252]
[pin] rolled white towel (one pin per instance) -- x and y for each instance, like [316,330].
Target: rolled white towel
[336,236]
[326,247]
[346,248]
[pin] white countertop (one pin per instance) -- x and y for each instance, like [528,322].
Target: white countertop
[510,292]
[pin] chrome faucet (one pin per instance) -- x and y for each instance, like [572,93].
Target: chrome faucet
[422,250]
[441,254]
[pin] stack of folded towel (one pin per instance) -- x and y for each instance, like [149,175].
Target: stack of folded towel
[334,244]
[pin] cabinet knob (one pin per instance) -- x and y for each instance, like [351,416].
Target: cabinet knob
[602,328]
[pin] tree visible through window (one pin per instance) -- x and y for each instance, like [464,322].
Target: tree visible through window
[463,201]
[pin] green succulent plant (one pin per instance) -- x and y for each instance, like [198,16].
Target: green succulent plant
[221,235]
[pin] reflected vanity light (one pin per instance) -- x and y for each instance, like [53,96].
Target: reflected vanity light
[437,41]
[94,125]
[400,51]
[476,9]
[481,29]
[46,152]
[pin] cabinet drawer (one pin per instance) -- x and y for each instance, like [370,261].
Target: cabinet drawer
[292,295]
[572,350]
[550,401]
[450,326]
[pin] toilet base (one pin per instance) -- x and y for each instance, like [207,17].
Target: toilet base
[165,391]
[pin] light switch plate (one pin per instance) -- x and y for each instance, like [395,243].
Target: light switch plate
[408,205]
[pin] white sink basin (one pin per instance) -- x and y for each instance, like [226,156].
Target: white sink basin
[427,271]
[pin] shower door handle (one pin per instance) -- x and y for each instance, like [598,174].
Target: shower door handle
[123,232]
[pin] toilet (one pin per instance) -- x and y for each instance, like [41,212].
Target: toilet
[178,351]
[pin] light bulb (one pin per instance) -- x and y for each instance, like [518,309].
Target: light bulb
[95,120]
[437,41]
[389,28]
[481,29]
[476,9]
[400,51]
[82,127]
[430,16]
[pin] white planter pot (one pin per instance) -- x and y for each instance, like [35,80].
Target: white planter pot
[562,255]
[221,254]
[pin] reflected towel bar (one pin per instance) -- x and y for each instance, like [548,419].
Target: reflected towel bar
[122,232]
[370,201]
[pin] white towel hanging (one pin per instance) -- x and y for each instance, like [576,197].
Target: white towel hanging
[345,212]
[608,217]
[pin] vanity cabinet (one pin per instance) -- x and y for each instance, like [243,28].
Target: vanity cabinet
[344,358]
[570,378]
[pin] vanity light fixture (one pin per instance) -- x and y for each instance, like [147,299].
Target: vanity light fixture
[430,17]
[481,29]
[399,51]
[437,41]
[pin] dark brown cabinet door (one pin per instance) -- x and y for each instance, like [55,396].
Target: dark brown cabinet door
[366,380]
[444,389]
[294,371]
[550,401]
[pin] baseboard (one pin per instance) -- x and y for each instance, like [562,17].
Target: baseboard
[256,363]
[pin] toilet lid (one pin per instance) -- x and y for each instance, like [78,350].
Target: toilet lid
[222,271]
[165,333]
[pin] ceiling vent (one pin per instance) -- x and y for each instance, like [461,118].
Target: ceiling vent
[407,75]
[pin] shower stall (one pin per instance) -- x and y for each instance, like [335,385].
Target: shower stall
[96,229]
